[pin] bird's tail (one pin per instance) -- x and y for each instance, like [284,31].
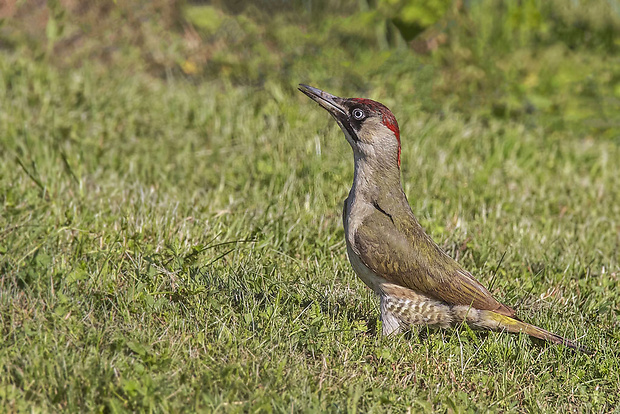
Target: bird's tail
[497,321]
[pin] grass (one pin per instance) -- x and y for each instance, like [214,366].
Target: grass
[170,245]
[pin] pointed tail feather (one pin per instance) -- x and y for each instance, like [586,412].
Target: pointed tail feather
[499,322]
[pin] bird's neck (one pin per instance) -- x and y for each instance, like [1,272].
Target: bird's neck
[376,181]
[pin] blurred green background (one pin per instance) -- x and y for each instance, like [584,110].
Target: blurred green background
[554,62]
[170,205]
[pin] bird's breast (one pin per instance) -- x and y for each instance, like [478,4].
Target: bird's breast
[370,278]
[355,211]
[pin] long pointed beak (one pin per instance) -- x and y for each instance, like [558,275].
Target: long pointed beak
[331,103]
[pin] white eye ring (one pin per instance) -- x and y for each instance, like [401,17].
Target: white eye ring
[358,114]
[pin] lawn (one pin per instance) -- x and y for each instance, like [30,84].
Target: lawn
[174,241]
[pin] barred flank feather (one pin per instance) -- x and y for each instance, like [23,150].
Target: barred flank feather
[411,308]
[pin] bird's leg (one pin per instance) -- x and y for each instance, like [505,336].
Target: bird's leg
[390,322]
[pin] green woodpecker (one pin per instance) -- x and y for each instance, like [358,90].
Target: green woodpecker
[417,283]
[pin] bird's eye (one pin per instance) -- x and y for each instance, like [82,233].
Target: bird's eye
[358,114]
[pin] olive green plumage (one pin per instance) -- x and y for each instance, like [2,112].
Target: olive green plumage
[417,283]
[391,242]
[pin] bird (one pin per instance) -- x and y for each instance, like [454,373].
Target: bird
[417,283]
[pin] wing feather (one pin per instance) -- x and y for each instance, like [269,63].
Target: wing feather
[404,254]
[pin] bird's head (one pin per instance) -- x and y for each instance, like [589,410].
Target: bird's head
[369,126]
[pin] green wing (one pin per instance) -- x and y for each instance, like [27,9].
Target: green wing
[402,253]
